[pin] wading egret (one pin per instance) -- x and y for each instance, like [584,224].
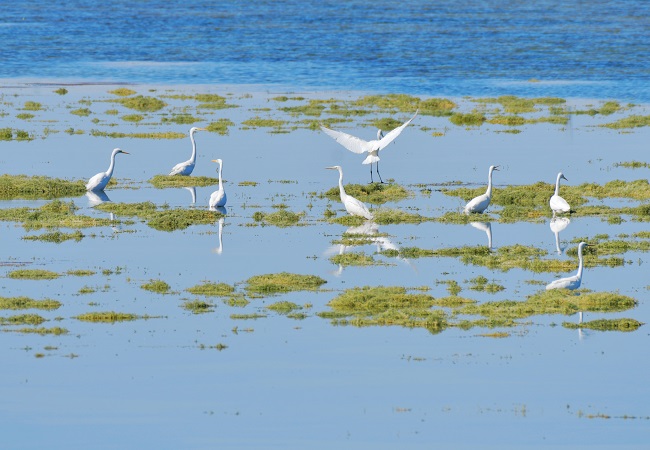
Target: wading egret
[357,145]
[558,204]
[218,197]
[570,282]
[186,168]
[353,206]
[99,181]
[480,203]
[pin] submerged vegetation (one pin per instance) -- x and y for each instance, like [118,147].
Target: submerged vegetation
[163,219]
[275,283]
[38,187]
[374,193]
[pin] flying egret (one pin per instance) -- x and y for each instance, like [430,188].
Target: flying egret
[186,168]
[558,204]
[480,203]
[99,181]
[218,197]
[570,282]
[357,145]
[353,206]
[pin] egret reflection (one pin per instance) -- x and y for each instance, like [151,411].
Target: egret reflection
[219,249]
[192,191]
[559,224]
[484,226]
[369,233]
[96,198]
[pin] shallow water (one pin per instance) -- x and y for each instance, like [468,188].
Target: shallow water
[306,383]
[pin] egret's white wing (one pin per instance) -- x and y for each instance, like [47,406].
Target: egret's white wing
[352,143]
[557,203]
[390,137]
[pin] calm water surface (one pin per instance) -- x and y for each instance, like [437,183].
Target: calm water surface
[291,383]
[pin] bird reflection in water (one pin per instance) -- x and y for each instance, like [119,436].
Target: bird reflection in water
[219,249]
[484,226]
[559,224]
[192,190]
[369,231]
[96,198]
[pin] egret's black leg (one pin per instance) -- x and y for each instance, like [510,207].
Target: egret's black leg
[371,173]
[377,171]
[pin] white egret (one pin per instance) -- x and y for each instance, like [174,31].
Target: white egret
[99,181]
[558,204]
[570,282]
[186,168]
[480,203]
[559,224]
[353,206]
[357,145]
[218,197]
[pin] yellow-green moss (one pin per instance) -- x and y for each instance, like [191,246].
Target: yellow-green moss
[33,274]
[282,282]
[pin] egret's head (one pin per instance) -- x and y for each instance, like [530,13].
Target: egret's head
[195,129]
[334,168]
[561,175]
[218,161]
[494,168]
[119,150]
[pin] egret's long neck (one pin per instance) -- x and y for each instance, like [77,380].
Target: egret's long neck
[109,172]
[557,185]
[193,157]
[489,188]
[341,188]
[220,182]
[580,262]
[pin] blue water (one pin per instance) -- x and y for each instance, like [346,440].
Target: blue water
[595,49]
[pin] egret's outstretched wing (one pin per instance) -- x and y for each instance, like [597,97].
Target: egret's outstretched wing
[352,143]
[390,137]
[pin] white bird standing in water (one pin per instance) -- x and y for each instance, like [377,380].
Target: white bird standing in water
[218,197]
[558,204]
[99,181]
[480,203]
[186,168]
[353,206]
[570,282]
[357,145]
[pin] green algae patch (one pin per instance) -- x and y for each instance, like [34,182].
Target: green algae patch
[33,274]
[142,103]
[122,92]
[212,289]
[80,273]
[637,189]
[355,259]
[9,134]
[633,165]
[107,317]
[375,193]
[17,303]
[473,119]
[153,135]
[258,122]
[41,330]
[386,216]
[453,301]
[81,112]
[135,118]
[51,215]
[623,324]
[164,219]
[38,187]
[276,283]
[482,284]
[167,181]
[220,126]
[385,306]
[198,306]
[158,286]
[56,237]
[281,218]
[633,121]
[23,319]
[553,302]
[284,307]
